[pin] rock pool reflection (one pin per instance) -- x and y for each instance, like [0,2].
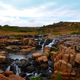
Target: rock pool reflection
[16,56]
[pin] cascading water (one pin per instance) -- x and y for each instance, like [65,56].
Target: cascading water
[42,49]
[16,69]
[50,44]
[16,56]
[8,68]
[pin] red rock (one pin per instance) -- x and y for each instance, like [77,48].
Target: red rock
[36,55]
[77,58]
[8,73]
[39,59]
[63,66]
[45,59]
[15,77]
[2,77]
[42,58]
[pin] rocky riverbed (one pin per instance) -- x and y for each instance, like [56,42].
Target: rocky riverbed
[41,58]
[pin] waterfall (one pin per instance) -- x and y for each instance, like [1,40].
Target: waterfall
[8,68]
[18,71]
[36,74]
[39,42]
[16,68]
[50,44]
[42,49]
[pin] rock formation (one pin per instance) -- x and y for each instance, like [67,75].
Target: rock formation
[63,62]
[8,75]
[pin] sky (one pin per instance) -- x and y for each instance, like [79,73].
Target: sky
[34,13]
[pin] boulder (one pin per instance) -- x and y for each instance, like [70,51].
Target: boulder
[58,57]
[15,77]
[8,73]
[35,55]
[64,76]
[42,58]
[44,66]
[2,77]
[65,57]
[77,58]
[63,66]
[45,59]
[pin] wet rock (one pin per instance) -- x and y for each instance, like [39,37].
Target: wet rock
[30,68]
[23,61]
[44,66]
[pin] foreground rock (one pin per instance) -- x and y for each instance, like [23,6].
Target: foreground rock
[15,77]
[64,61]
[8,75]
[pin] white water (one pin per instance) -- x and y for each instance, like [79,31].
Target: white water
[39,42]
[42,49]
[15,56]
[18,71]
[8,68]
[50,44]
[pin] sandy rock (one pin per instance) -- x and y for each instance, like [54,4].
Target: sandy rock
[77,58]
[35,55]
[66,57]
[45,59]
[42,58]
[39,59]
[63,66]
[58,57]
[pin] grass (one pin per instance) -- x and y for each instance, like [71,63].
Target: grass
[59,77]
[36,78]
[54,29]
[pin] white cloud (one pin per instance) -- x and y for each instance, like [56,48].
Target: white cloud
[40,15]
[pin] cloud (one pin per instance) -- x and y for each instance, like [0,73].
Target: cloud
[37,15]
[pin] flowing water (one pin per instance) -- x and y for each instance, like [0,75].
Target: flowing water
[52,43]
[20,57]
[17,69]
[16,56]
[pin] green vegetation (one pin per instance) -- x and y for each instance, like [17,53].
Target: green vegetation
[54,48]
[54,29]
[17,29]
[36,78]
[62,28]
[75,33]
[59,77]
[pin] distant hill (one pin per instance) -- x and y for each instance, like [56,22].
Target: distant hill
[62,28]
[54,29]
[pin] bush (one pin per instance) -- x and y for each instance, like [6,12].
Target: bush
[59,77]
[36,78]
